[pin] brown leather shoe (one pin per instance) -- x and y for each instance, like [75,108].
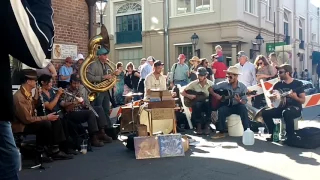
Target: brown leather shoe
[95,141]
[103,137]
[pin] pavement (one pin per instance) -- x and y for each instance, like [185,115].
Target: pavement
[222,159]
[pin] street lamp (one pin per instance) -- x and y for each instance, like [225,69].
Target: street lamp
[101,4]
[259,39]
[194,40]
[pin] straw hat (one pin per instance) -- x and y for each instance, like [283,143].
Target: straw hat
[195,58]
[233,70]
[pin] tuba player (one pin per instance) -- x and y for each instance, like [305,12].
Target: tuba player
[98,72]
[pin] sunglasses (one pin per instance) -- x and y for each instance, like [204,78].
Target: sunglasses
[229,76]
[260,63]
[281,72]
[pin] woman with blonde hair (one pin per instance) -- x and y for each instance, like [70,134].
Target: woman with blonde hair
[264,70]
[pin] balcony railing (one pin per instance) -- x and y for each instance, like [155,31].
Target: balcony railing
[301,45]
[287,40]
[128,37]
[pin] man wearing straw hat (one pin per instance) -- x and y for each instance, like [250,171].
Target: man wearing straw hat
[238,105]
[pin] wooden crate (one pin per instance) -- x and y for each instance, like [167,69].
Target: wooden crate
[162,104]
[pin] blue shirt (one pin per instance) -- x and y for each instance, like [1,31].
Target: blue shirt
[65,71]
[146,69]
[241,88]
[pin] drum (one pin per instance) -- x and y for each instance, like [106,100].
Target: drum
[165,126]
[126,123]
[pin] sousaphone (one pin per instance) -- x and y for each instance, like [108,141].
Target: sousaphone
[98,41]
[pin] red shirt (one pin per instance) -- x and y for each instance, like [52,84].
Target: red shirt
[219,66]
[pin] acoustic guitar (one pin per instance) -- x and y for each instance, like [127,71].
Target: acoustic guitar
[200,97]
[227,98]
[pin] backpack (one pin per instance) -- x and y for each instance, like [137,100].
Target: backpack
[307,138]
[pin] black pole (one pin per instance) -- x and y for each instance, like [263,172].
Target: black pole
[101,19]
[274,31]
[91,10]
[91,21]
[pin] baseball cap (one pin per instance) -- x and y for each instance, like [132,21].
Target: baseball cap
[69,60]
[151,58]
[241,53]
[74,78]
[285,67]
[182,56]
[214,55]
[158,63]
[202,71]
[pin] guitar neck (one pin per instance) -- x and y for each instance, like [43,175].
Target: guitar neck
[232,96]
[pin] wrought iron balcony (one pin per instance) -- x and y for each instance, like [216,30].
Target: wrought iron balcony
[128,37]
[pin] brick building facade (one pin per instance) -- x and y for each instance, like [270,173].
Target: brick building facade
[71,21]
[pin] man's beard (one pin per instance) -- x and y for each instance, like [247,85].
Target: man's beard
[283,77]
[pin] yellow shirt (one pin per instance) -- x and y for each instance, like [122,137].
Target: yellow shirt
[196,86]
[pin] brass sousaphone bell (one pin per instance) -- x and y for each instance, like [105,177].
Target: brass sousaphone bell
[255,114]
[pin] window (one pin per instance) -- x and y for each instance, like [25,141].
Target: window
[300,30]
[133,55]
[187,51]
[129,23]
[202,5]
[191,6]
[285,24]
[183,6]
[249,6]
[269,10]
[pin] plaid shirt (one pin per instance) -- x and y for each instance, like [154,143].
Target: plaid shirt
[67,98]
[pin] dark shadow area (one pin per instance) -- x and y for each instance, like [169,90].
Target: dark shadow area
[262,146]
[114,161]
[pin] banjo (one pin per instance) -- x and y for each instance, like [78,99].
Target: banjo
[280,97]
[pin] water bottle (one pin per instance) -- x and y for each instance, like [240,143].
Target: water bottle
[248,137]
[276,132]
[20,160]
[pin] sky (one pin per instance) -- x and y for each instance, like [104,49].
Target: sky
[316,2]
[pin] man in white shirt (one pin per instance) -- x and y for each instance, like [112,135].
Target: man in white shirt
[146,69]
[155,80]
[247,70]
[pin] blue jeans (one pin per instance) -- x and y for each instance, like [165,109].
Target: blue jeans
[181,82]
[9,154]
[225,111]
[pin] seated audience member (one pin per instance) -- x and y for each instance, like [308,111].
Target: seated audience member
[238,103]
[51,100]
[48,128]
[202,84]
[294,101]
[78,112]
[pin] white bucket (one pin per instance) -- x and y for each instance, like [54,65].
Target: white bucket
[235,128]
